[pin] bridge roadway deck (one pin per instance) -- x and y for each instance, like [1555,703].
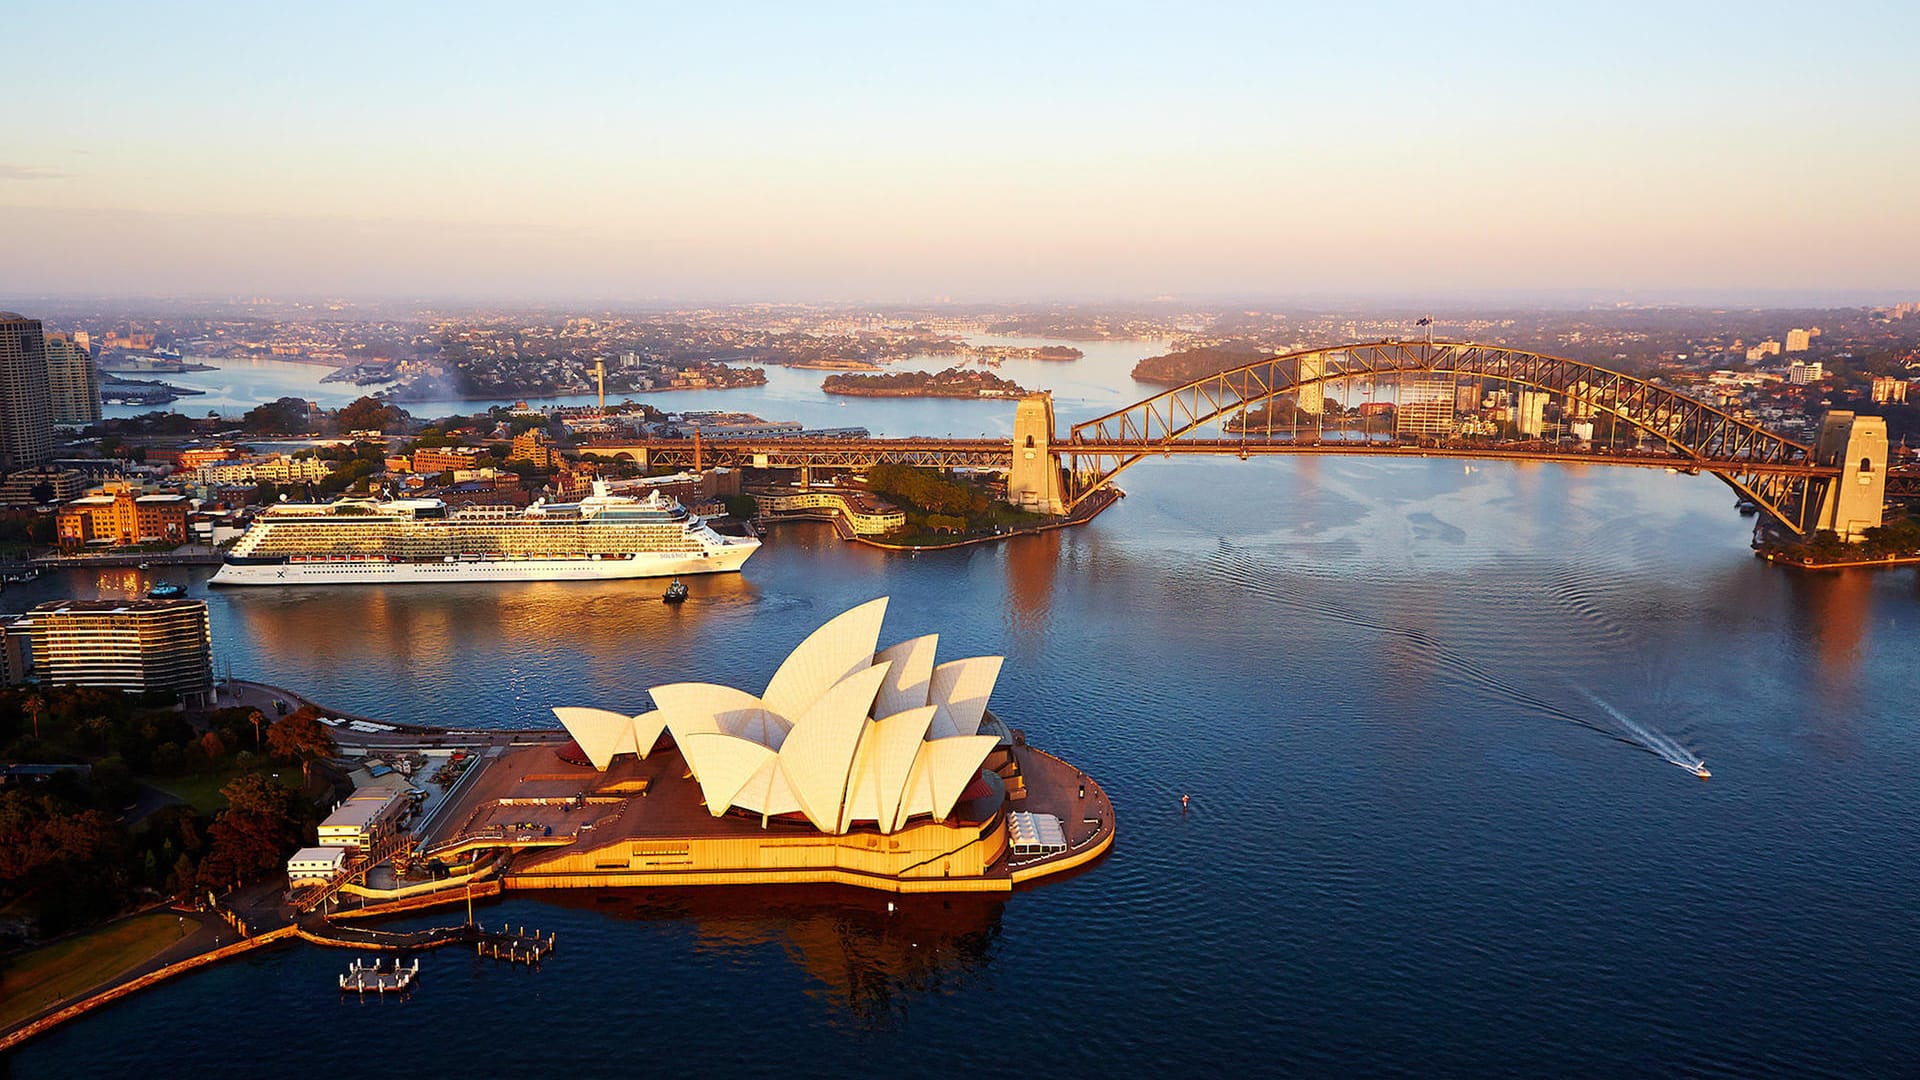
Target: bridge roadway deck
[947,453]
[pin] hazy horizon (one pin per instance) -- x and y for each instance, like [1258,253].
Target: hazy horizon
[985,153]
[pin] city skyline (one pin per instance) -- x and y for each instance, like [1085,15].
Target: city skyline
[979,153]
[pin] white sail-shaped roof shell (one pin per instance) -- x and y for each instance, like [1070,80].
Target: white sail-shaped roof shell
[818,755]
[646,731]
[601,733]
[906,685]
[941,772]
[881,767]
[723,764]
[767,792]
[695,707]
[961,689]
[830,654]
[810,745]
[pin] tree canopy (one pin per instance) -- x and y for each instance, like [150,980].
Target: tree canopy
[369,414]
[300,736]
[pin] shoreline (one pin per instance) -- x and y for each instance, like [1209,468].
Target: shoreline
[1809,564]
[924,393]
[1051,789]
[1096,504]
[542,395]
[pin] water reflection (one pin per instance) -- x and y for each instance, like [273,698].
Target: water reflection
[612,636]
[1833,613]
[1032,564]
[869,955]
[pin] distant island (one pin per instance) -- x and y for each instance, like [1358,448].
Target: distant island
[118,391]
[1185,365]
[1005,352]
[837,365]
[952,383]
[153,365]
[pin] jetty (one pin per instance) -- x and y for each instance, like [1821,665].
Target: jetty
[379,978]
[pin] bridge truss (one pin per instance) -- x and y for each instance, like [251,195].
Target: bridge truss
[1780,476]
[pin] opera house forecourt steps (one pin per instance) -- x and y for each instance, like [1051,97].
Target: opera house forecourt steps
[856,765]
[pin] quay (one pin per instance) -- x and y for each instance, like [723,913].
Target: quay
[864,766]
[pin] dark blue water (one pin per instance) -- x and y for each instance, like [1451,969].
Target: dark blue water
[1420,842]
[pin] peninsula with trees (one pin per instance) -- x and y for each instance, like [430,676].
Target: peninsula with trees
[1185,365]
[951,383]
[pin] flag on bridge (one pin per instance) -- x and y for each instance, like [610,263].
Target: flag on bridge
[1425,320]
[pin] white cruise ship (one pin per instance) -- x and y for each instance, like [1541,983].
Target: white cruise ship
[358,541]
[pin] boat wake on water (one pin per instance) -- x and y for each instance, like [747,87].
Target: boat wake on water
[1242,569]
[1653,741]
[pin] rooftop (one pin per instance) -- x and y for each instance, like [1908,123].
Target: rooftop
[59,607]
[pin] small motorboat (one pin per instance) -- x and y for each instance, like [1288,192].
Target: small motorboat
[676,592]
[166,590]
[1698,768]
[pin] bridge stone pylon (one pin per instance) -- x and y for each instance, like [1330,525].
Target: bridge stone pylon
[1033,483]
[1855,501]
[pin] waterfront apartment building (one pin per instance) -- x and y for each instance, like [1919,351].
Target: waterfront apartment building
[16,649]
[122,514]
[72,381]
[135,645]
[26,406]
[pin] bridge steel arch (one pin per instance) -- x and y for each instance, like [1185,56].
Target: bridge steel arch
[1781,476]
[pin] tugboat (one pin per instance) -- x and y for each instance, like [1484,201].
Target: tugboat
[676,592]
[166,590]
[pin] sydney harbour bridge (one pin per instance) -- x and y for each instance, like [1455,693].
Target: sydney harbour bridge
[1415,395]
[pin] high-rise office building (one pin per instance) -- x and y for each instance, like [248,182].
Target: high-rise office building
[1425,405]
[72,381]
[1530,413]
[136,645]
[26,410]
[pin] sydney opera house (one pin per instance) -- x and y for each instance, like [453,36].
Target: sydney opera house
[855,765]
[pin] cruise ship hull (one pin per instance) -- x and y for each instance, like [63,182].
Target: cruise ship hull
[321,572]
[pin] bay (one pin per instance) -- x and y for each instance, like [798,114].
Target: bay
[1420,842]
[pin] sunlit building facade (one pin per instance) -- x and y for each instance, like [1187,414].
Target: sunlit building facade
[134,645]
[72,382]
[26,407]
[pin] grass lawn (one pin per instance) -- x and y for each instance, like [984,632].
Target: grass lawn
[37,979]
[203,792]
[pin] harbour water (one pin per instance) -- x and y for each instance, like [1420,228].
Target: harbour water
[1087,387]
[1417,844]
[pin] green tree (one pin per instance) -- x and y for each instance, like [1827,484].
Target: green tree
[260,827]
[300,736]
[287,415]
[367,414]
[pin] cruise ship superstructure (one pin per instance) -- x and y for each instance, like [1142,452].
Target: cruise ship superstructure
[356,541]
